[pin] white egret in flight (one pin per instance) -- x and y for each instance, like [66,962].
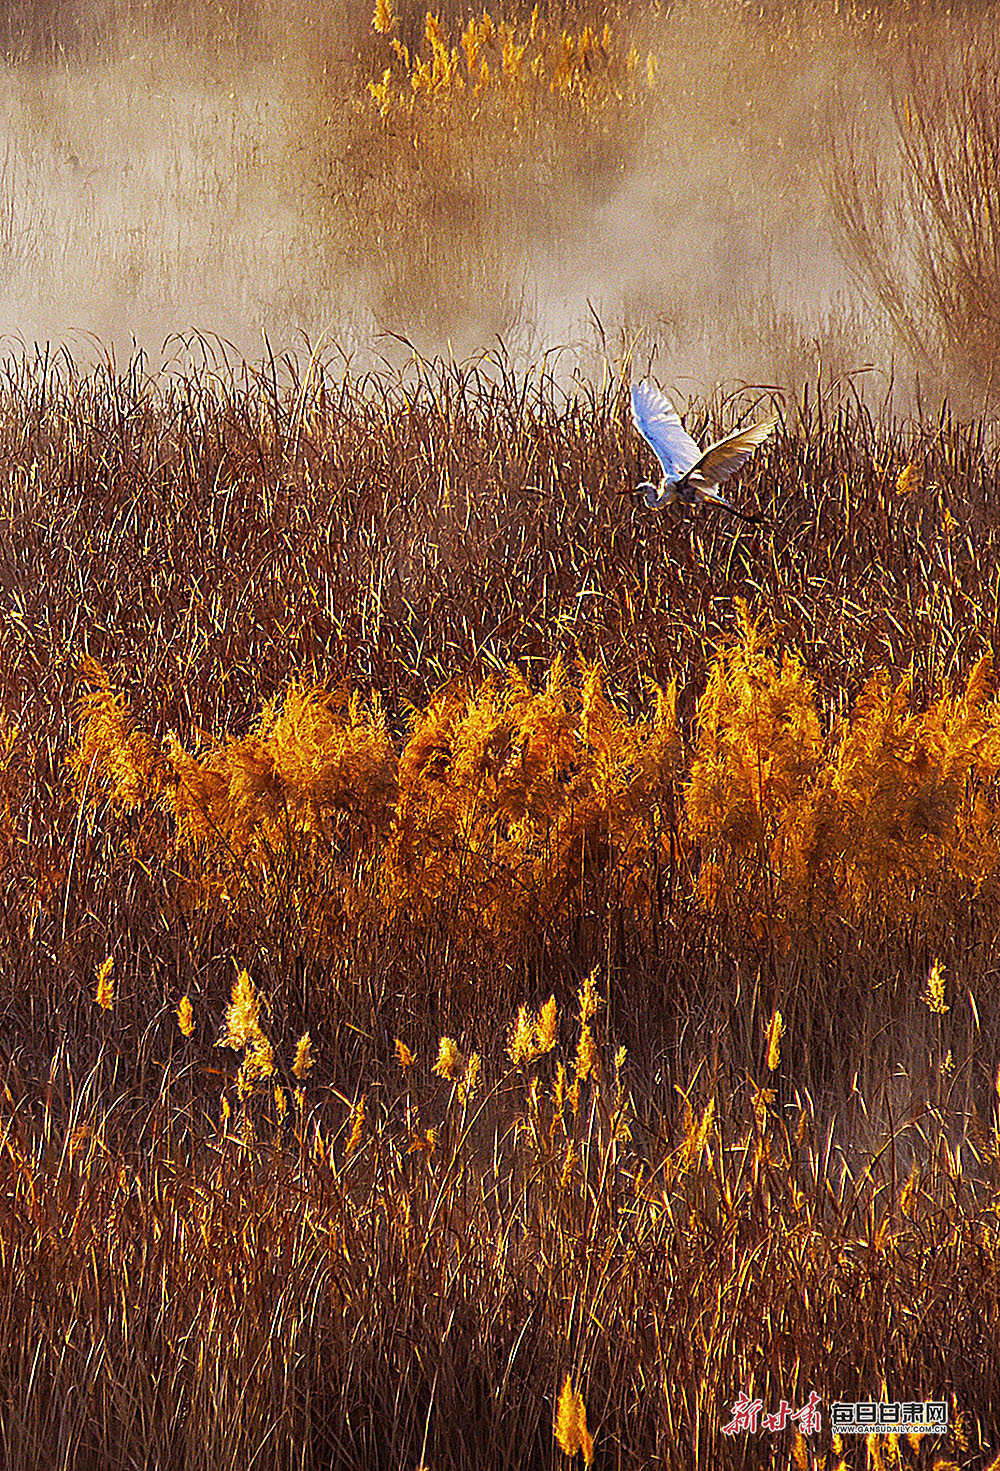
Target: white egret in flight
[690,475]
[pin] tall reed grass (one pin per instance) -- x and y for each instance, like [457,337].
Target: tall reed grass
[507,808]
[487,973]
[914,218]
[411,1277]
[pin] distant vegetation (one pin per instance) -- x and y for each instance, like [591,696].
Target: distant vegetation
[920,228]
[492,141]
[546,175]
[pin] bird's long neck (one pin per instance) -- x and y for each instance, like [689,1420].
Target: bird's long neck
[661,495]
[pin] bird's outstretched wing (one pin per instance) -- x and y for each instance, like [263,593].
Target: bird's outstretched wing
[659,424]
[725,458]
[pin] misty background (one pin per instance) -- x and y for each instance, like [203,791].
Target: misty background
[170,169]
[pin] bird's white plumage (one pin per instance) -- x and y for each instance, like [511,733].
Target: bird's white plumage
[690,474]
[725,458]
[659,424]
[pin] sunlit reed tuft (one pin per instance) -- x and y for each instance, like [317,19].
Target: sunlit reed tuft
[105,992]
[185,1016]
[571,1424]
[450,1063]
[303,1063]
[934,994]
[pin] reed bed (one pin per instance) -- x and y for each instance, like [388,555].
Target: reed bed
[310,1283]
[463,936]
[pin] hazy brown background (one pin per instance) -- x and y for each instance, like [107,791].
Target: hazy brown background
[169,168]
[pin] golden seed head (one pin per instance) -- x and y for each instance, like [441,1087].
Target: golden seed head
[242,1015]
[432,31]
[530,1036]
[450,1062]
[586,1054]
[303,1057]
[381,92]
[404,1056]
[908,480]
[185,1016]
[105,993]
[775,1032]
[571,1424]
[520,1047]
[589,999]
[242,1031]
[383,20]
[559,1090]
[548,1022]
[934,994]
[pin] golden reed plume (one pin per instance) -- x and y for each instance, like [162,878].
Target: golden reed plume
[507,804]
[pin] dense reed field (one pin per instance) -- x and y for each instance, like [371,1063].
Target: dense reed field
[462,933]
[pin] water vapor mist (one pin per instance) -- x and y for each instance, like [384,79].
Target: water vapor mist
[151,189]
